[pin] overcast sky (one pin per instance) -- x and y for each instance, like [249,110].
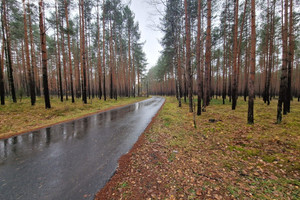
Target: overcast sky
[144,15]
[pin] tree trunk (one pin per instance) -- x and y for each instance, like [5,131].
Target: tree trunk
[81,51]
[266,54]
[129,61]
[77,70]
[133,75]
[123,75]
[188,55]
[44,55]
[87,58]
[270,62]
[290,59]
[298,81]
[84,96]
[283,79]
[229,74]
[235,55]
[224,55]
[239,54]
[184,73]
[179,73]
[28,67]
[24,70]
[138,77]
[104,73]
[198,59]
[217,82]
[58,56]
[69,51]
[111,61]
[207,85]
[99,55]
[2,92]
[64,60]
[252,65]
[30,77]
[35,74]
[115,63]
[246,72]
[6,40]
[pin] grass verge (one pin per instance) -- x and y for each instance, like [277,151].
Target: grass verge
[227,159]
[22,117]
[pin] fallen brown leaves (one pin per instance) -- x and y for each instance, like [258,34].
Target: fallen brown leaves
[226,159]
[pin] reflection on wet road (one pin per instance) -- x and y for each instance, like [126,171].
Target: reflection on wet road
[71,160]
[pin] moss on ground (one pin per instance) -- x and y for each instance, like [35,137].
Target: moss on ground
[223,160]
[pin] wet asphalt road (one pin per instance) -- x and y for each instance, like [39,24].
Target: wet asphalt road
[71,160]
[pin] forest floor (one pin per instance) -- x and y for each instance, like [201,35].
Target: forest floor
[226,159]
[22,117]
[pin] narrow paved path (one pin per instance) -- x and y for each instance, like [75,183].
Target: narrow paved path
[71,160]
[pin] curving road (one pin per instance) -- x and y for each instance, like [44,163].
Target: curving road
[71,160]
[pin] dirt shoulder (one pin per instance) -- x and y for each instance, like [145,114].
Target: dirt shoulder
[221,159]
[20,118]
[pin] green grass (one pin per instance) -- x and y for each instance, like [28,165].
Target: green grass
[21,116]
[228,159]
[260,151]
[124,185]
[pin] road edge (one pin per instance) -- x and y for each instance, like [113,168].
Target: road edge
[124,159]
[68,120]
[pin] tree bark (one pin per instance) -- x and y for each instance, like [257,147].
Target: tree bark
[129,61]
[99,55]
[35,73]
[58,56]
[290,58]
[87,58]
[2,91]
[270,62]
[44,55]
[188,56]
[138,80]
[224,55]
[111,60]
[207,85]
[179,73]
[198,59]
[284,73]
[30,77]
[69,51]
[246,70]
[6,40]
[84,96]
[103,52]
[133,74]
[64,60]
[184,73]
[298,81]
[77,70]
[235,55]
[24,80]
[252,65]
[217,93]
[239,54]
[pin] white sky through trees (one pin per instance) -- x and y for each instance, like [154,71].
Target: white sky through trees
[147,17]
